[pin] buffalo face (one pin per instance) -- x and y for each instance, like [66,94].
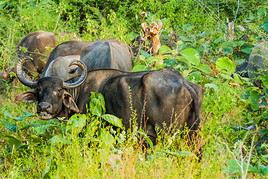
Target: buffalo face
[51,93]
[51,97]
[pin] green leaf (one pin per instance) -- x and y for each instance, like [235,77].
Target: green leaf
[262,12]
[204,68]
[12,141]
[145,54]
[133,35]
[10,126]
[237,78]
[226,76]
[97,104]
[58,139]
[76,123]
[246,50]
[164,49]
[147,139]
[139,68]
[170,62]
[228,50]
[21,118]
[225,65]
[152,59]
[187,27]
[265,26]
[218,40]
[232,44]
[195,76]
[233,167]
[191,55]
[254,100]
[106,138]
[41,127]
[263,132]
[115,121]
[211,86]
[183,60]
[263,169]
[264,80]
[41,130]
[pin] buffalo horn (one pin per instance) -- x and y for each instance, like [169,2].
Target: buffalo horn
[81,79]
[21,75]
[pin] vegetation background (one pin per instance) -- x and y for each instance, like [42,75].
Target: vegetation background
[233,132]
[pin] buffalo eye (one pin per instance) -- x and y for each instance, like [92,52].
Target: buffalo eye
[57,92]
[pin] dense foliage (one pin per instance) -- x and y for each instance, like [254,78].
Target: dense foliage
[233,133]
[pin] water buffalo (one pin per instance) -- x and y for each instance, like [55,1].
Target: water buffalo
[162,98]
[33,46]
[100,54]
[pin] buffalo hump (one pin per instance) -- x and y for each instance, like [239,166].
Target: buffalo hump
[107,54]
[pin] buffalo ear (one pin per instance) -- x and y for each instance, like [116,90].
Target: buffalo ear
[28,96]
[69,102]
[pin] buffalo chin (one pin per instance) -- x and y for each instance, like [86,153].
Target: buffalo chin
[44,115]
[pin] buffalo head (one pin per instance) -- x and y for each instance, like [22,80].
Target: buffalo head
[52,94]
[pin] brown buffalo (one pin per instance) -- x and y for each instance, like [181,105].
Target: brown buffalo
[33,47]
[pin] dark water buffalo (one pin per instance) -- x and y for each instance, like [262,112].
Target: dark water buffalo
[162,98]
[101,54]
[33,46]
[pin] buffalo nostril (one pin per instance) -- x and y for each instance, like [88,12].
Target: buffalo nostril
[44,106]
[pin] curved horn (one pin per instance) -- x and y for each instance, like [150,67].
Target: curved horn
[21,75]
[81,79]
